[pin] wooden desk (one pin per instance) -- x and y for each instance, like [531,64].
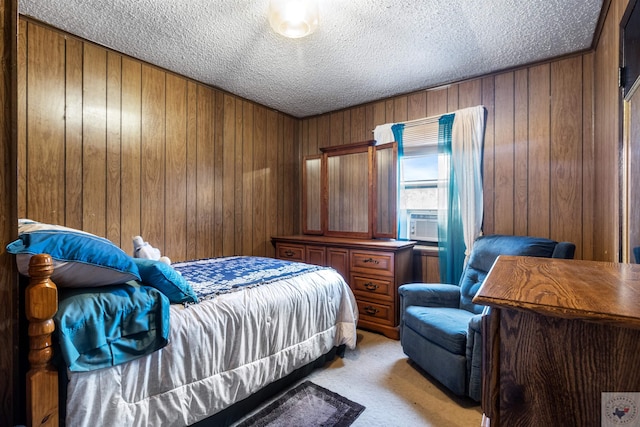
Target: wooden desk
[560,333]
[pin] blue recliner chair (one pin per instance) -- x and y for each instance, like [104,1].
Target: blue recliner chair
[440,326]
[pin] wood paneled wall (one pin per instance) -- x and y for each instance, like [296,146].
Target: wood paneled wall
[607,112]
[537,153]
[120,148]
[132,149]
[11,382]
[552,148]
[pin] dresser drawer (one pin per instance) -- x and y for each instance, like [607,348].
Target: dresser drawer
[315,255]
[376,312]
[290,252]
[374,262]
[373,288]
[373,269]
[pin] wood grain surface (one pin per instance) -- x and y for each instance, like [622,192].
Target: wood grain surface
[11,397]
[41,304]
[572,289]
[553,370]
[560,333]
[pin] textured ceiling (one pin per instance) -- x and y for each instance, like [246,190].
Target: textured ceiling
[363,50]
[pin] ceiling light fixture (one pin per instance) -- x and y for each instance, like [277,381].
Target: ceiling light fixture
[293,18]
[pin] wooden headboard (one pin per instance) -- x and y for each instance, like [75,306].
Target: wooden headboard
[41,304]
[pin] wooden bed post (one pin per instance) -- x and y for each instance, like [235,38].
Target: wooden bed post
[41,304]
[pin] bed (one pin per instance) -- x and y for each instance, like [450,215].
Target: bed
[229,342]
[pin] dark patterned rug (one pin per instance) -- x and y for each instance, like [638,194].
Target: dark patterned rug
[307,405]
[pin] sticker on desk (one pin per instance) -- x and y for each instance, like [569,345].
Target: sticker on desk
[620,409]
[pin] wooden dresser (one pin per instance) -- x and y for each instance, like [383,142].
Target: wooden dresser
[373,269]
[560,334]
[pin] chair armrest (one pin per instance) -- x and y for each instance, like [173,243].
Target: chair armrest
[564,250]
[429,295]
[475,324]
[474,356]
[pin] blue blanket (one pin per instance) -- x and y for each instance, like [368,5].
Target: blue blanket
[215,276]
[109,325]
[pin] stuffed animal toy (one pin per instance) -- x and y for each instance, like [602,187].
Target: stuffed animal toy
[142,249]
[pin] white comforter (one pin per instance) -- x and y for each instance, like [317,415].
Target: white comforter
[220,351]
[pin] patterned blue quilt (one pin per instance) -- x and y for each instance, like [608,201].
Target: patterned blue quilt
[214,276]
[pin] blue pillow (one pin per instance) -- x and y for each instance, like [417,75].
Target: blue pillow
[80,259]
[166,279]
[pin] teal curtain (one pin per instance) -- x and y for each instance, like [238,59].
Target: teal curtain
[451,247]
[398,130]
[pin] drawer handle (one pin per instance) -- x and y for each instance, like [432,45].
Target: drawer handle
[371,286]
[375,261]
[288,252]
[371,311]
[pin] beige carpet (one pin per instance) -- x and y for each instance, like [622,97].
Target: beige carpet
[395,392]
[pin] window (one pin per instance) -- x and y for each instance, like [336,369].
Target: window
[418,183]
